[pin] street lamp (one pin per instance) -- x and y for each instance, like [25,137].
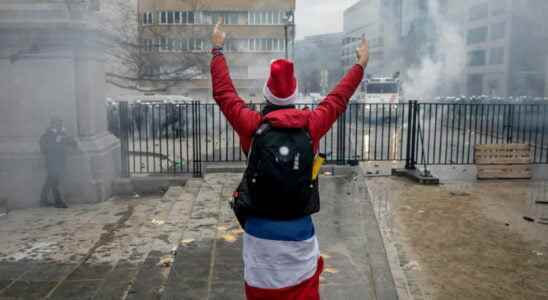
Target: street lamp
[289,21]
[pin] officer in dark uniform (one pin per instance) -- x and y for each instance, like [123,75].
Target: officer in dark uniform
[53,145]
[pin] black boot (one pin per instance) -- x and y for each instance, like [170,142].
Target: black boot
[60,204]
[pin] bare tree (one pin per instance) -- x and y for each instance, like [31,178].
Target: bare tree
[134,65]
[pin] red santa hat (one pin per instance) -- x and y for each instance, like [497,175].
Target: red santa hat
[281,87]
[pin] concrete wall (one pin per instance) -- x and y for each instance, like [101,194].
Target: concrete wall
[53,68]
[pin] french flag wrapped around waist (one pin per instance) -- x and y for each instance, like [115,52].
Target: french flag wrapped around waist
[281,259]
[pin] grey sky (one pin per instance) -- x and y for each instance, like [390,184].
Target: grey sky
[320,16]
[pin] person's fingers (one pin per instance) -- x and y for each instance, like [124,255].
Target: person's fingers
[219,23]
[365,43]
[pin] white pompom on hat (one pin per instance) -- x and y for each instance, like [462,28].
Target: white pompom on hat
[281,87]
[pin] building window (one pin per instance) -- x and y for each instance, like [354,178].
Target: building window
[496,56]
[196,45]
[498,7]
[229,18]
[163,17]
[266,18]
[177,17]
[170,17]
[163,45]
[479,12]
[147,18]
[498,31]
[190,17]
[476,58]
[476,35]
[148,45]
[266,45]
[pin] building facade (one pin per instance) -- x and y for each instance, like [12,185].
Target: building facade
[380,22]
[504,43]
[175,41]
[317,60]
[506,47]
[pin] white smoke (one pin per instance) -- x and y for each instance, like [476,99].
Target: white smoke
[440,73]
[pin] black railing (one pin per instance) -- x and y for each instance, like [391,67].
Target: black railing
[178,138]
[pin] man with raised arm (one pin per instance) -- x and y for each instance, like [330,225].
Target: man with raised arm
[278,193]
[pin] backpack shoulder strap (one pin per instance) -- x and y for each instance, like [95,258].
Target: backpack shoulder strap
[264,127]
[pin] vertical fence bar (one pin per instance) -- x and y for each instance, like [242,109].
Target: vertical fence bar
[376,129]
[362,132]
[341,138]
[541,120]
[389,130]
[429,130]
[195,140]
[518,124]
[383,122]
[509,124]
[402,130]
[410,137]
[537,119]
[395,151]
[415,144]
[457,147]
[470,144]
[124,120]
[445,121]
[132,134]
[436,105]
[529,119]
[180,138]
[493,109]
[356,124]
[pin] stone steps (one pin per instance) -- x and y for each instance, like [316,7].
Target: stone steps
[152,275]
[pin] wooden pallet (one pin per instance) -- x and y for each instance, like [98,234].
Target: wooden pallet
[509,161]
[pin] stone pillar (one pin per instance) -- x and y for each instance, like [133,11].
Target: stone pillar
[52,64]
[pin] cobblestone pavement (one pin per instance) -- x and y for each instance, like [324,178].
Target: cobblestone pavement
[183,245]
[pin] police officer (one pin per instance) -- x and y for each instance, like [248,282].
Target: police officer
[53,145]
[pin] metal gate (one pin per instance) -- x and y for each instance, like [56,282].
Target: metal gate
[179,138]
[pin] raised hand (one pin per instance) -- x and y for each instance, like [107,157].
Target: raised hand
[218,36]
[362,52]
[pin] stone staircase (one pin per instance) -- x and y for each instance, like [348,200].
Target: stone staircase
[192,248]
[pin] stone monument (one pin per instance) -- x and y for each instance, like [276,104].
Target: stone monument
[52,64]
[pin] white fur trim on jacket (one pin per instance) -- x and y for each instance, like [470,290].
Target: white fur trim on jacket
[280,101]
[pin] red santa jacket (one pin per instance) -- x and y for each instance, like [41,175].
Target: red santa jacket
[245,121]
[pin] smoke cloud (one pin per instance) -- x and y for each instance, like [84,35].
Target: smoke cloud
[441,59]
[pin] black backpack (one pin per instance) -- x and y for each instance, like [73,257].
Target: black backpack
[277,183]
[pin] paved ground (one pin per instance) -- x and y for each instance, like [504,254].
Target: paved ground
[464,239]
[184,245]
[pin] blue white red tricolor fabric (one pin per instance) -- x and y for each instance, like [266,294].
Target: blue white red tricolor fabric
[282,259]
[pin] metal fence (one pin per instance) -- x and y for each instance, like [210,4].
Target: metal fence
[178,138]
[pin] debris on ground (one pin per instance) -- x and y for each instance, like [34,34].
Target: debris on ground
[166,261]
[158,222]
[412,265]
[187,241]
[459,194]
